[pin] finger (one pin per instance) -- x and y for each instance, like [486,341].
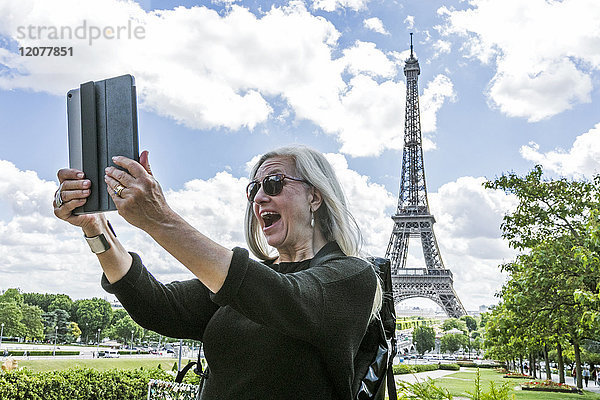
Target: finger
[113,183]
[116,199]
[144,160]
[69,173]
[120,176]
[135,168]
[66,209]
[79,184]
[68,195]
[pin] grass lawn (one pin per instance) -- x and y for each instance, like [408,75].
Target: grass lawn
[100,364]
[459,383]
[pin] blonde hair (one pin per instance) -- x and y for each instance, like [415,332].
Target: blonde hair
[333,217]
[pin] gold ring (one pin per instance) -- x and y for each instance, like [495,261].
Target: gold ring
[119,189]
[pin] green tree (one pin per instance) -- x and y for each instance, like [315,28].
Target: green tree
[548,224]
[57,324]
[33,322]
[12,295]
[470,322]
[452,342]
[11,316]
[122,329]
[61,301]
[453,323]
[91,315]
[424,339]
[117,315]
[42,300]
[73,332]
[547,208]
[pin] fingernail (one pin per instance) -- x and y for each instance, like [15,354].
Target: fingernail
[86,183]
[114,158]
[80,174]
[86,191]
[107,170]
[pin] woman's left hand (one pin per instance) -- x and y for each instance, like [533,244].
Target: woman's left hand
[141,200]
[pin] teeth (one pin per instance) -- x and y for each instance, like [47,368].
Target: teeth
[270,217]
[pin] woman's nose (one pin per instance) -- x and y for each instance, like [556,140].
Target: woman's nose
[261,196]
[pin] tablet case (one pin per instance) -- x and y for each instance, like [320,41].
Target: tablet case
[102,123]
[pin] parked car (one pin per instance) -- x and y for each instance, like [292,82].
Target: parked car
[111,354]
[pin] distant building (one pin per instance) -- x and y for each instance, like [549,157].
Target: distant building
[116,305]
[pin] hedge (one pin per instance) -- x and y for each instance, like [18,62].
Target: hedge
[471,364]
[78,384]
[411,369]
[450,367]
[43,353]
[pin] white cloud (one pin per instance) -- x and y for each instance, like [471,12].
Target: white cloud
[376,25]
[581,160]
[441,47]
[365,58]
[224,67]
[37,249]
[332,5]
[409,21]
[368,202]
[435,94]
[468,234]
[541,71]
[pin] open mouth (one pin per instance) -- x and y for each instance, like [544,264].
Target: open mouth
[270,218]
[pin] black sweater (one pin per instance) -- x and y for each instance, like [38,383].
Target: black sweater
[281,331]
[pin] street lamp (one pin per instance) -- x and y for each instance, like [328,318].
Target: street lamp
[55,335]
[1,333]
[131,345]
[179,361]
[98,344]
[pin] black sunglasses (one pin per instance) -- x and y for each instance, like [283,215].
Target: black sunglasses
[272,185]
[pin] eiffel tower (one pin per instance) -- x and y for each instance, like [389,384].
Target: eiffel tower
[412,218]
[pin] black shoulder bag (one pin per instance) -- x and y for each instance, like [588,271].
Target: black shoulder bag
[373,363]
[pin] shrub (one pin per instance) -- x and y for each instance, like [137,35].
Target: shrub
[425,390]
[449,367]
[43,353]
[471,364]
[411,369]
[78,384]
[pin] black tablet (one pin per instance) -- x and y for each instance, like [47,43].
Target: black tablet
[102,123]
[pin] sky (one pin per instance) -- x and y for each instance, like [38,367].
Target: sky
[504,85]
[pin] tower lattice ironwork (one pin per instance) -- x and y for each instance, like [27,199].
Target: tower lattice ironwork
[413,219]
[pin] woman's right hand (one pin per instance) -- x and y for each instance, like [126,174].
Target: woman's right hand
[74,191]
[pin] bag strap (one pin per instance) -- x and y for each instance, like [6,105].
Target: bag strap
[391,381]
[184,370]
[198,370]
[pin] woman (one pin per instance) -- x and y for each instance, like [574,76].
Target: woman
[288,327]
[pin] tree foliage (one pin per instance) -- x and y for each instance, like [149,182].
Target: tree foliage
[32,320]
[91,315]
[452,342]
[11,316]
[540,304]
[470,322]
[424,339]
[454,323]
